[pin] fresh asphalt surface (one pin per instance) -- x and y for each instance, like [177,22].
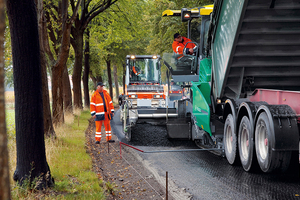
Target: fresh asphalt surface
[201,174]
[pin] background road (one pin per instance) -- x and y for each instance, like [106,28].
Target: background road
[201,174]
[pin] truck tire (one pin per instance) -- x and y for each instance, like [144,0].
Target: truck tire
[246,144]
[230,140]
[269,160]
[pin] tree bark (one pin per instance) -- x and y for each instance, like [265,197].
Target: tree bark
[85,77]
[43,37]
[67,93]
[108,63]
[4,169]
[77,44]
[31,156]
[57,94]
[116,81]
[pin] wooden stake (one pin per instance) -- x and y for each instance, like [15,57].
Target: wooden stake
[166,185]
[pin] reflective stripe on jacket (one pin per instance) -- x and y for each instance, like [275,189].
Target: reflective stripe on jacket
[179,46]
[97,105]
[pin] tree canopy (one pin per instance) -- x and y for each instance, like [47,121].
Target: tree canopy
[127,27]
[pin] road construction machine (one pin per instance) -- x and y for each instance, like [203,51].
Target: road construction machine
[244,82]
[144,100]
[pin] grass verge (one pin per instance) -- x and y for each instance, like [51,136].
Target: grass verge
[70,165]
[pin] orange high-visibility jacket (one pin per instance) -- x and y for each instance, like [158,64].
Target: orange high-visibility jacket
[179,46]
[97,106]
[134,71]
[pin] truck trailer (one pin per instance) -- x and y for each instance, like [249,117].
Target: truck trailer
[245,101]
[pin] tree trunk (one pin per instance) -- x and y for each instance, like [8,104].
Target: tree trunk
[109,77]
[85,77]
[31,156]
[77,70]
[58,68]
[4,170]
[57,95]
[116,81]
[67,93]
[48,126]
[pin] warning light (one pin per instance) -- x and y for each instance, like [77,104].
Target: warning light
[187,15]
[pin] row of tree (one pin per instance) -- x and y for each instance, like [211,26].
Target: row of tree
[83,38]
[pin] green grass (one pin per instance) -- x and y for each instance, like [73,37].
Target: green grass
[10,123]
[70,165]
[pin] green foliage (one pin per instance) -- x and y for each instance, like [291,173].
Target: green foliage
[119,31]
[9,79]
[127,27]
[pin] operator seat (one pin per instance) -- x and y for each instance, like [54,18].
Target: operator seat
[183,63]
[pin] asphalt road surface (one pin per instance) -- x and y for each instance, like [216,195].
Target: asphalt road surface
[201,174]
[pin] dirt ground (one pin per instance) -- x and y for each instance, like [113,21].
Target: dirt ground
[127,177]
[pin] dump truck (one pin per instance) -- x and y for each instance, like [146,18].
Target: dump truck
[245,101]
[144,100]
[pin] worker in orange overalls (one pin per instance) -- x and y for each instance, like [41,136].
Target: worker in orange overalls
[179,43]
[135,71]
[102,110]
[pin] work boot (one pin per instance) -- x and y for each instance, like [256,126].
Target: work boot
[111,141]
[97,142]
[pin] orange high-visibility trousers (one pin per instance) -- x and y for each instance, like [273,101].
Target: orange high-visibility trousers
[106,122]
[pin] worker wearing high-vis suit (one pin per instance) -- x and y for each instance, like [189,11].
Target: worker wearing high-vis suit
[181,44]
[102,110]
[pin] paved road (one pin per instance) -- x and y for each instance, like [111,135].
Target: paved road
[203,175]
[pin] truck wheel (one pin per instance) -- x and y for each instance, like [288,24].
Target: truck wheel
[230,140]
[268,160]
[246,144]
